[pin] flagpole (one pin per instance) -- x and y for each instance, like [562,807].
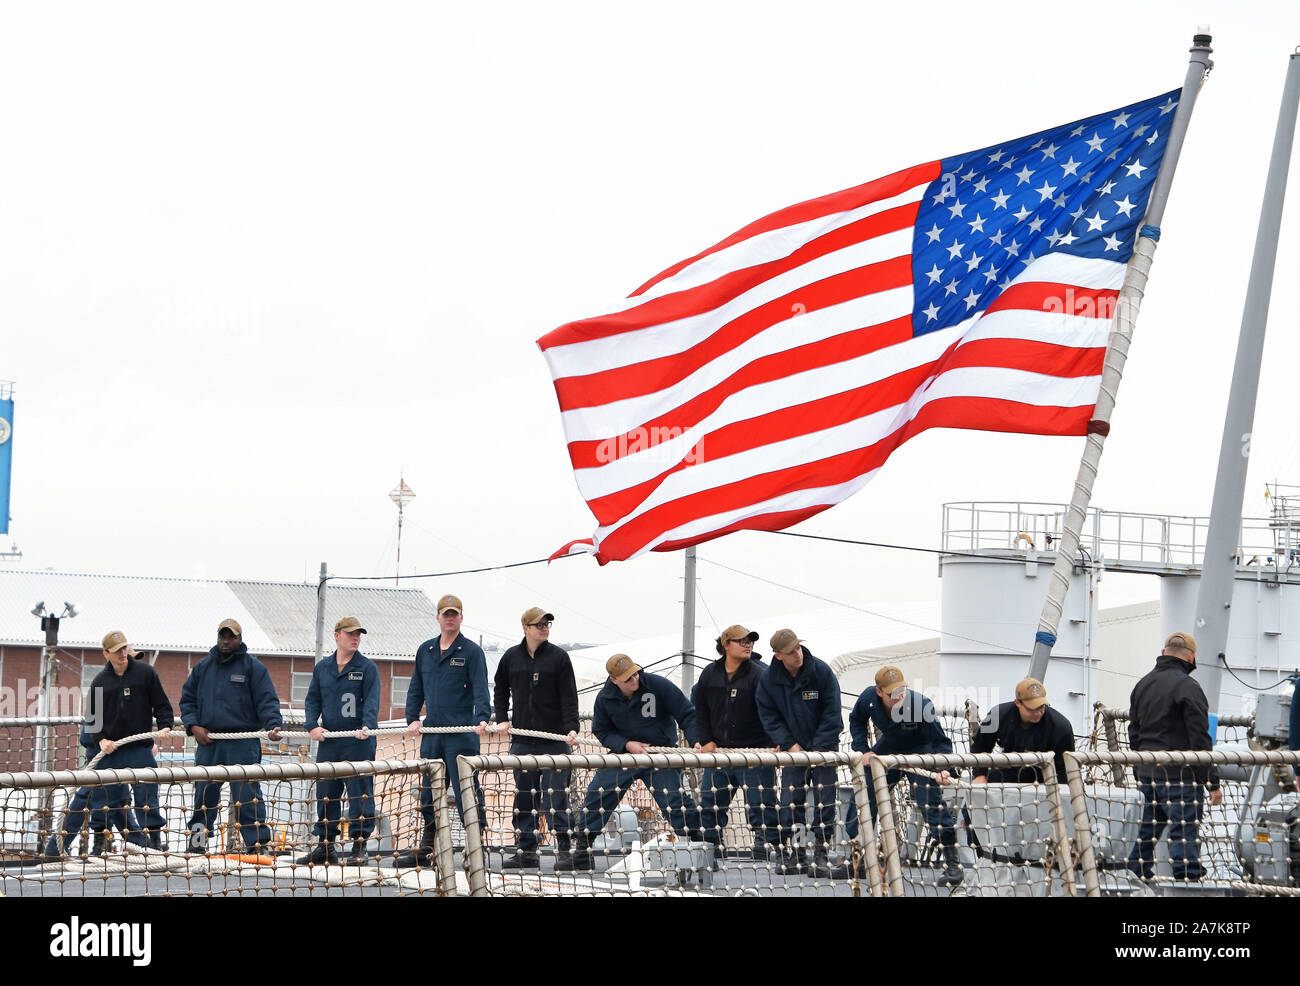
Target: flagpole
[1121,337]
[1219,566]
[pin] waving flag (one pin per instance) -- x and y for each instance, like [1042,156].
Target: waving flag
[767,378]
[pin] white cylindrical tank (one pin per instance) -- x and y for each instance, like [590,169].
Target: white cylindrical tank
[1263,632]
[990,603]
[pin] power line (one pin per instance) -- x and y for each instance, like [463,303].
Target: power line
[524,585]
[432,575]
[700,592]
[836,602]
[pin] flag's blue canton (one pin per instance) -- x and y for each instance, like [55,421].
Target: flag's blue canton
[1080,189]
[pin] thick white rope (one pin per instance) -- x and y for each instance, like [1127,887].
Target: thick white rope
[352,734]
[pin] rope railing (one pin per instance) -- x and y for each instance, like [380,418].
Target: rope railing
[34,779]
[893,828]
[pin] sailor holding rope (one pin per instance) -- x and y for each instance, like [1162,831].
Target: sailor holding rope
[229,691]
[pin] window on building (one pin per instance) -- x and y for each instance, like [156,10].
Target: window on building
[400,680]
[88,671]
[299,682]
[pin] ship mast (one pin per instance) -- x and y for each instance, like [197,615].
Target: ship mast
[1219,567]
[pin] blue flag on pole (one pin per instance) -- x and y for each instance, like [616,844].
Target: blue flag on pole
[6,459]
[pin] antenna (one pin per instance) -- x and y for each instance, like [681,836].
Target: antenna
[400,495]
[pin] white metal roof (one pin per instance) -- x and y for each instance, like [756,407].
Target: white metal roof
[182,614]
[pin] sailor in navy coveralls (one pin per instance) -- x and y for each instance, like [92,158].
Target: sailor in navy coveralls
[229,691]
[449,681]
[343,697]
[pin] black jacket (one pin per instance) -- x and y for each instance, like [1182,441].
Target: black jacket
[1003,728]
[726,711]
[1168,711]
[125,706]
[541,689]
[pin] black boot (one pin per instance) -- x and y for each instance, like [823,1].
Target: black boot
[100,848]
[55,849]
[358,856]
[522,861]
[323,854]
[156,841]
[420,856]
[791,860]
[822,868]
[579,859]
[952,871]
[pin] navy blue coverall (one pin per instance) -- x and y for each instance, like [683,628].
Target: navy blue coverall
[804,710]
[452,688]
[911,727]
[229,694]
[651,715]
[344,700]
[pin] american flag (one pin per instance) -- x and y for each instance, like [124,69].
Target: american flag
[768,377]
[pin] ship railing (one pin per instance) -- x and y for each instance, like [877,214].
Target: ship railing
[1110,733]
[1025,839]
[1061,837]
[1117,536]
[255,838]
[824,824]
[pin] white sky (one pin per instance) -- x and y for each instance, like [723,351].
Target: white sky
[258,258]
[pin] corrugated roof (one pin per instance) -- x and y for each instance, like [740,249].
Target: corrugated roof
[397,621]
[182,614]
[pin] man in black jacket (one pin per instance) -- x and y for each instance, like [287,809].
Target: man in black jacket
[1168,711]
[726,717]
[1027,725]
[535,689]
[124,700]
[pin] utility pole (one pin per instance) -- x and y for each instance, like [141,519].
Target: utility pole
[688,623]
[320,613]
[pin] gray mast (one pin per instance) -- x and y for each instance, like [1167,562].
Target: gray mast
[1214,596]
[1121,337]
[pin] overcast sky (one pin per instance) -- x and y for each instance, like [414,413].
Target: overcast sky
[259,259]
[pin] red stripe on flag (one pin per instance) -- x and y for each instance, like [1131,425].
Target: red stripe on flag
[1023,354]
[978,413]
[841,408]
[564,550]
[824,352]
[777,426]
[995,414]
[706,297]
[826,205]
[1046,296]
[762,522]
[653,375]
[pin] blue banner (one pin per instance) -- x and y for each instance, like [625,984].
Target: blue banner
[6,460]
